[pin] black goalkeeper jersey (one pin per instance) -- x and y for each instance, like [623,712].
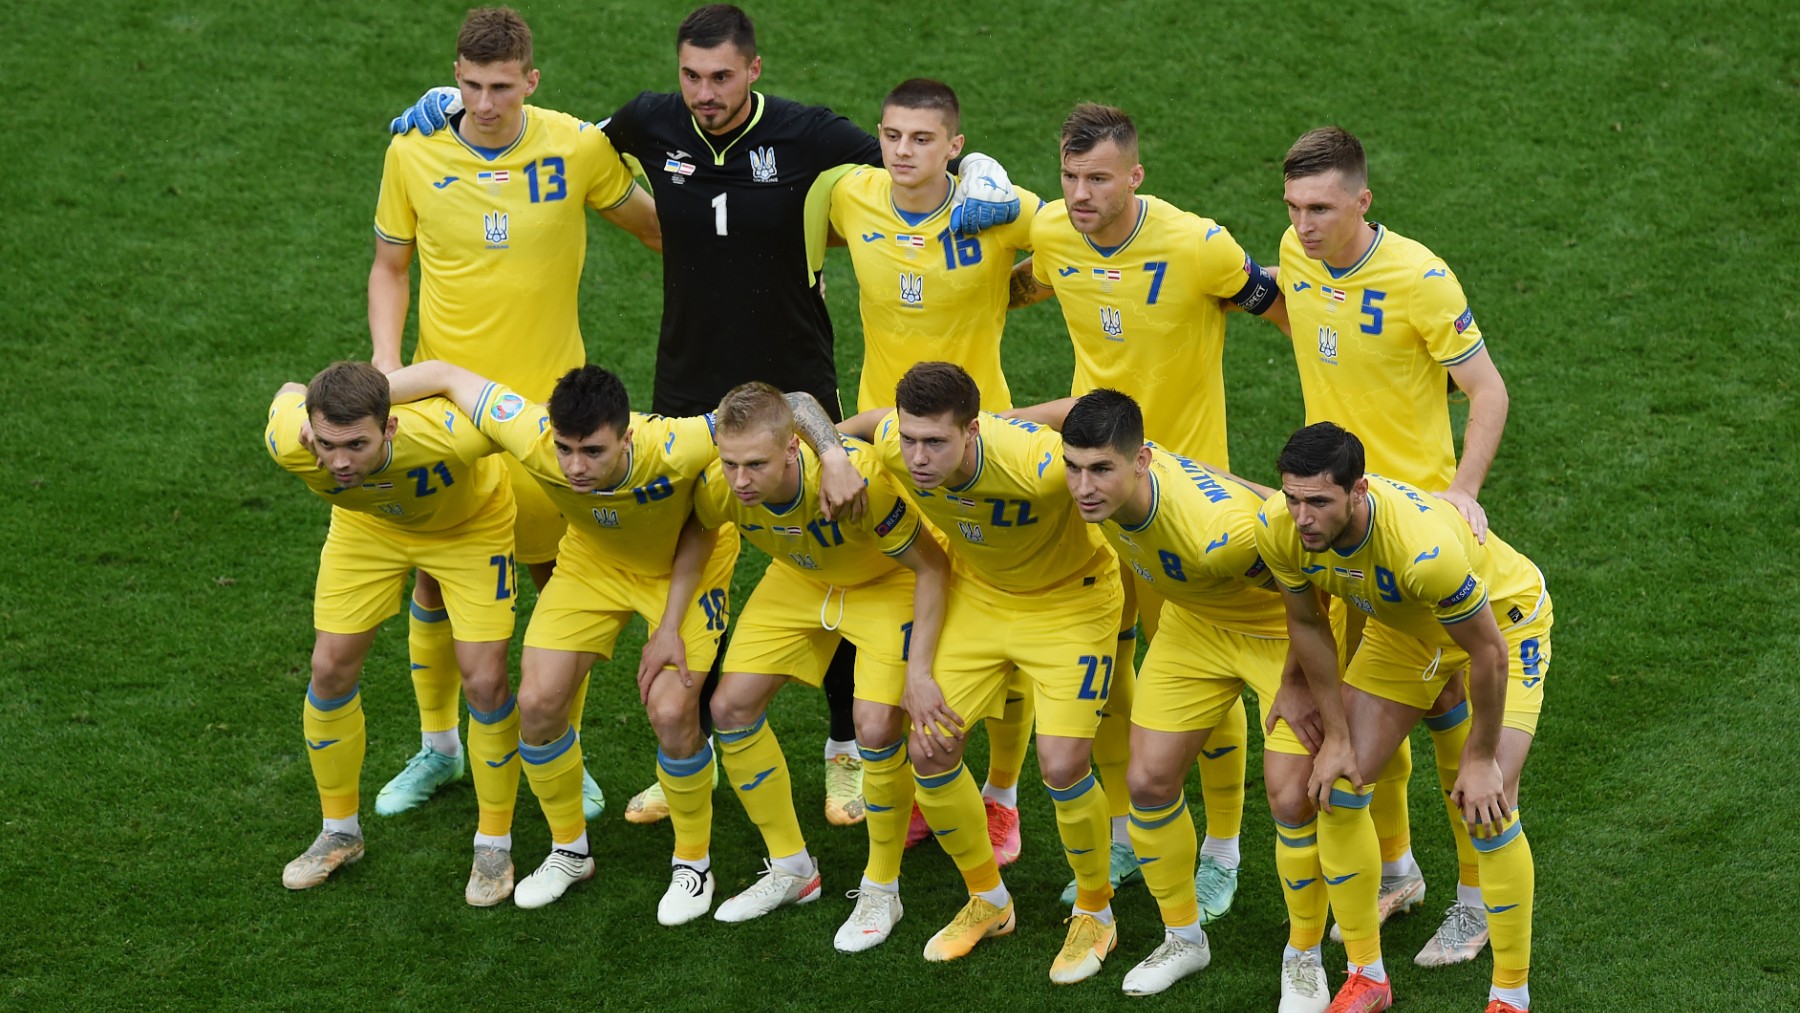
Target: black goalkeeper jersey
[739,299]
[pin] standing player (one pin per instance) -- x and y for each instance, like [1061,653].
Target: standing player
[888,585]
[930,293]
[1440,602]
[496,207]
[408,488]
[1380,325]
[1034,589]
[1145,288]
[1191,534]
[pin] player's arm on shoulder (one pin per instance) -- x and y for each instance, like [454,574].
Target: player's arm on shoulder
[1050,413]
[843,495]
[1023,288]
[1479,378]
[430,113]
[434,378]
[864,425]
[636,214]
[390,291]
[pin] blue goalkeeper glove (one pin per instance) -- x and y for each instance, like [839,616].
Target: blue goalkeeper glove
[984,196]
[431,113]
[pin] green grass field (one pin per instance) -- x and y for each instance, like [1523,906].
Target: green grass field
[188,191]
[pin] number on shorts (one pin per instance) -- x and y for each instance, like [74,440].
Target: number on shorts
[1095,665]
[504,584]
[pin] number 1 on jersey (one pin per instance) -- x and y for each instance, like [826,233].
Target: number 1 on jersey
[719,214]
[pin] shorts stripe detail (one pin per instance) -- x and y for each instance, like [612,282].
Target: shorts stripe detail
[737,734]
[1449,719]
[1073,791]
[496,715]
[879,752]
[687,767]
[1348,800]
[549,750]
[938,780]
[335,702]
[425,615]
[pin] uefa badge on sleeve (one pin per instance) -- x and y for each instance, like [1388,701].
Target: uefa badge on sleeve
[506,407]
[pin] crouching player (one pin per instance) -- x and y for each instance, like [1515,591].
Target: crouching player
[1439,602]
[408,487]
[877,581]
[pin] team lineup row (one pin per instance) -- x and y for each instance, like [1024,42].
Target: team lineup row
[1144,289]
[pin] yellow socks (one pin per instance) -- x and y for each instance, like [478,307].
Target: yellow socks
[888,794]
[1393,819]
[334,744]
[1449,733]
[687,784]
[1086,832]
[554,770]
[1008,735]
[1302,882]
[1350,859]
[494,765]
[952,807]
[436,679]
[759,774]
[1508,881]
[1112,741]
[1163,838]
[1222,773]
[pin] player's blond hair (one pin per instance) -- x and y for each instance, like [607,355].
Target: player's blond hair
[1325,150]
[494,35]
[345,393]
[754,405]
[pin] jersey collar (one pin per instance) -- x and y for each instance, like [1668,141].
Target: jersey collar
[718,153]
[1336,274]
[1107,251]
[630,459]
[1370,533]
[490,154]
[799,494]
[980,462]
[912,218]
[1155,502]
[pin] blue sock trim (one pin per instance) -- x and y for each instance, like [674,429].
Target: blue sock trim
[549,750]
[1290,834]
[938,780]
[335,702]
[729,736]
[495,716]
[1506,837]
[1449,719]
[1073,791]
[1349,801]
[879,752]
[685,767]
[1159,816]
[425,615]
[1130,634]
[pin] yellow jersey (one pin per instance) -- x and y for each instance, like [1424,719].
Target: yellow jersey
[1197,548]
[841,553]
[1373,342]
[1417,570]
[1148,316]
[436,474]
[501,237]
[926,294]
[1012,525]
[633,524]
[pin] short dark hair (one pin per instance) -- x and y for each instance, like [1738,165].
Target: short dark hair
[1090,123]
[750,405]
[1104,418]
[494,35]
[586,398]
[1323,448]
[1327,148]
[345,393]
[933,388]
[925,93]
[716,24]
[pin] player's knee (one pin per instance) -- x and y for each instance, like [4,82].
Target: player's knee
[1288,801]
[485,688]
[729,711]
[1151,788]
[939,761]
[542,715]
[334,673]
[1064,769]
[673,716]
[878,724]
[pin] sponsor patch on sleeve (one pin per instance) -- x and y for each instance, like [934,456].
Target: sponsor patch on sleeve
[1466,321]
[1462,593]
[892,519]
[1257,569]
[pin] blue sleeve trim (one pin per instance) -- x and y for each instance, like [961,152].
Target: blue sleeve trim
[1464,357]
[1476,608]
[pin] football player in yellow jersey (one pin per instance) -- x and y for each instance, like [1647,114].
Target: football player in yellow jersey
[1190,533]
[1034,589]
[496,209]
[1382,332]
[409,486]
[831,579]
[932,293]
[1145,288]
[1439,603]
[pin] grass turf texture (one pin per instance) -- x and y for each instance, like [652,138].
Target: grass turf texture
[188,196]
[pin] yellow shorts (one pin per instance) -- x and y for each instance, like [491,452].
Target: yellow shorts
[1061,639]
[540,525]
[792,625]
[1195,671]
[1397,667]
[365,562]
[589,601]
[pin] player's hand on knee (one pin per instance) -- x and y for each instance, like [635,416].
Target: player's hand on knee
[934,723]
[1335,760]
[1294,704]
[664,650]
[984,196]
[431,113]
[1481,792]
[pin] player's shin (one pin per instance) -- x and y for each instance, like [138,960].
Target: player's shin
[1009,735]
[687,782]
[1508,882]
[554,772]
[1163,838]
[436,679]
[1112,740]
[578,703]
[1388,805]
[888,792]
[1449,733]
[1082,822]
[952,806]
[335,742]
[758,773]
[1222,773]
[1302,882]
[1350,859]
[494,765]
